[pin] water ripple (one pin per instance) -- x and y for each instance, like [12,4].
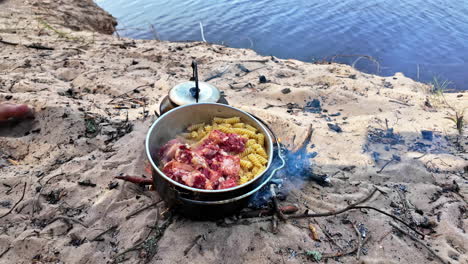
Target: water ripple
[401,34]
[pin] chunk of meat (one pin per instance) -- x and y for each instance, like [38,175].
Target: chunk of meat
[208,165]
[168,151]
[229,165]
[208,149]
[228,183]
[217,136]
[183,154]
[234,143]
[194,179]
[176,170]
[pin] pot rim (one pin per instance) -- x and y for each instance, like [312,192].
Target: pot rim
[148,152]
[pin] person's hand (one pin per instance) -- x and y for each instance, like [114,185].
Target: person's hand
[14,111]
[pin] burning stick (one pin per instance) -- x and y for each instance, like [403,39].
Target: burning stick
[276,203]
[136,180]
[288,209]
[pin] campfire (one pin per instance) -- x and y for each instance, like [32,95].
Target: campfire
[261,198]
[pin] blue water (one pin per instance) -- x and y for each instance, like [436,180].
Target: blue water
[421,38]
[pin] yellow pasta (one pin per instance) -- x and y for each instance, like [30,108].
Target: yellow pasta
[251,142]
[194,134]
[226,125]
[218,120]
[244,179]
[260,170]
[260,139]
[261,159]
[256,146]
[247,151]
[186,135]
[246,164]
[261,152]
[244,131]
[232,120]
[224,129]
[208,128]
[251,128]
[195,127]
[255,160]
[238,125]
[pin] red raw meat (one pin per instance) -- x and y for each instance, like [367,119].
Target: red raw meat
[228,183]
[234,143]
[168,151]
[208,166]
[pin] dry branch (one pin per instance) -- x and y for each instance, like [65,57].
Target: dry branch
[19,201]
[351,251]
[419,241]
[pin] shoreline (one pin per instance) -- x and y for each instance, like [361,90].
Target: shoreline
[95,96]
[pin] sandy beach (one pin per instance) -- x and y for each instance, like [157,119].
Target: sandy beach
[95,94]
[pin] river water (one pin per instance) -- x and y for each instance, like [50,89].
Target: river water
[424,39]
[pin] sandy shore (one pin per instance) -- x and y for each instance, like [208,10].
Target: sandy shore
[59,58]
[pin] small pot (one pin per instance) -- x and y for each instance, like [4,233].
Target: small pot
[201,203]
[181,94]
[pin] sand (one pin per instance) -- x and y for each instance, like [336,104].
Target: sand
[79,135]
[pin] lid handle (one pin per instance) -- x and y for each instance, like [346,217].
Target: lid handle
[195,91]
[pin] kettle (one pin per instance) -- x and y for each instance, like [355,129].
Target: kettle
[191,92]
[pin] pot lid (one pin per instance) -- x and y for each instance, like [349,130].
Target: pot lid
[183,94]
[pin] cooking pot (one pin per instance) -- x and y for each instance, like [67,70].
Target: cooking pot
[200,203]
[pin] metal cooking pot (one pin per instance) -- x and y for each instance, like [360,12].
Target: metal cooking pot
[201,203]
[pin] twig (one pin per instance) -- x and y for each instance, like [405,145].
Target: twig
[218,74]
[21,199]
[274,224]
[66,219]
[349,207]
[142,209]
[360,56]
[201,30]
[4,252]
[351,251]
[32,46]
[359,241]
[276,203]
[104,232]
[330,238]
[287,209]
[392,216]
[421,156]
[398,102]
[194,242]
[385,165]
[136,179]
[419,241]
[383,237]
[355,206]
